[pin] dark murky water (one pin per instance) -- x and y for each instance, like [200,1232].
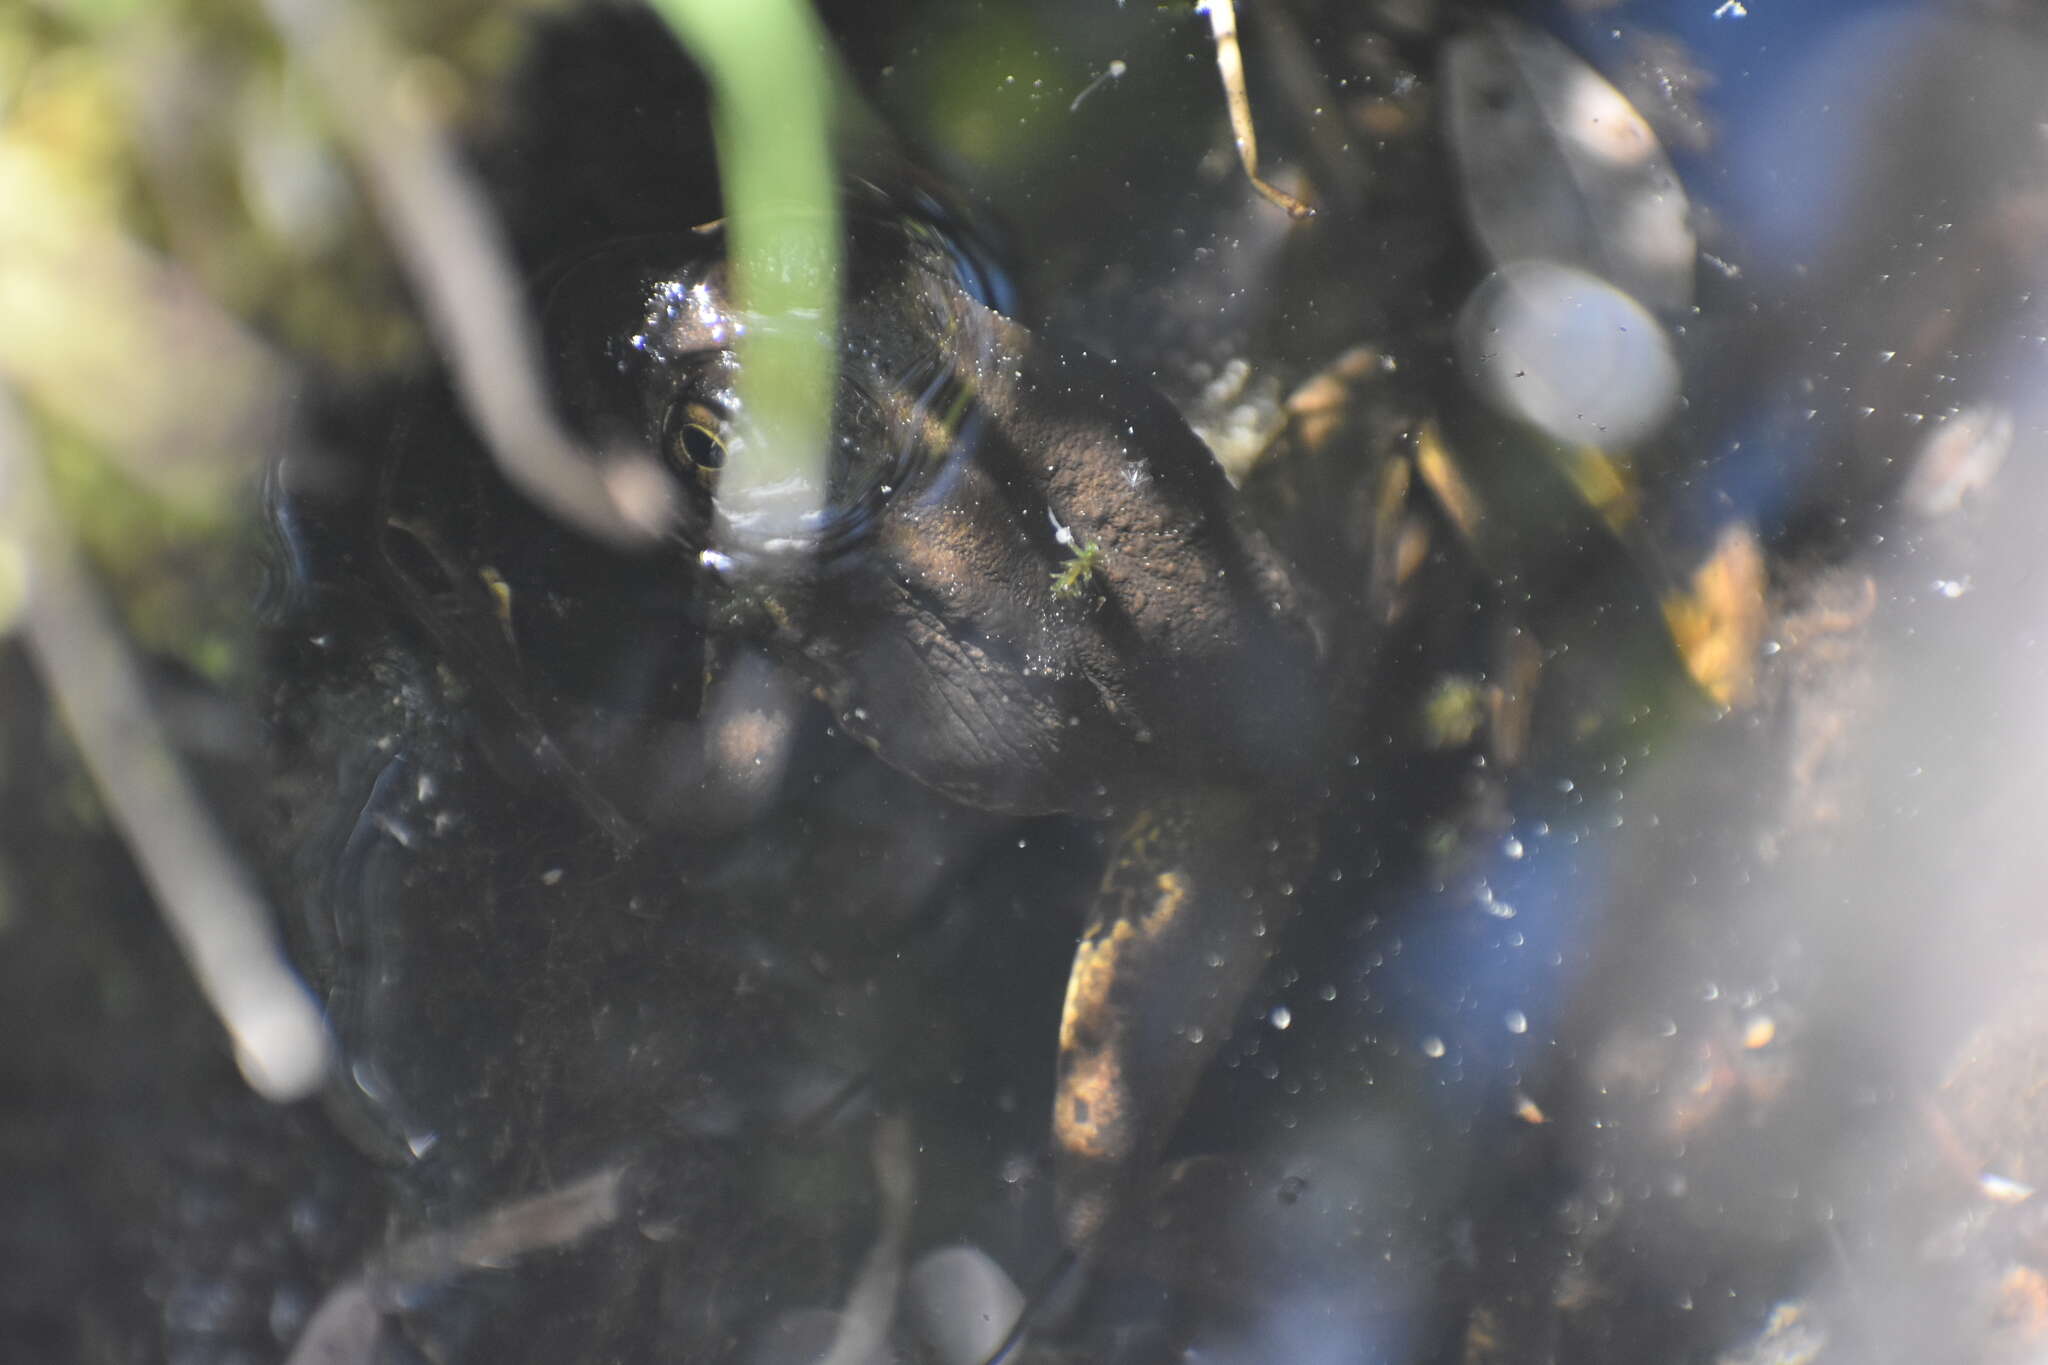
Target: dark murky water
[1665,987]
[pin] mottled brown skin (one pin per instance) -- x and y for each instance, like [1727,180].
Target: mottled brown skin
[1177,692]
[1194,898]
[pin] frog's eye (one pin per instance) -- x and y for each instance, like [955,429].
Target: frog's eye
[695,438]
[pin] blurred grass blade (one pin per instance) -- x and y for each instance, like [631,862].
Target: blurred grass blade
[220,923]
[773,93]
[456,258]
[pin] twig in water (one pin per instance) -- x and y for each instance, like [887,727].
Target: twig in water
[1230,61]
[345,1328]
[871,1307]
[218,920]
[455,256]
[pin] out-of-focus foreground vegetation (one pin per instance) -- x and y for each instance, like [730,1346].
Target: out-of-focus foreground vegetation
[181,235]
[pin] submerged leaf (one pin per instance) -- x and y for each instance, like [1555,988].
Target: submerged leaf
[1717,625]
[1556,165]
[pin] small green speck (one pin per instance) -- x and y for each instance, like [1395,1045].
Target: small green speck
[1453,712]
[1072,578]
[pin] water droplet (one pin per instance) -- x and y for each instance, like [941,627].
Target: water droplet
[1758,1031]
[2004,1189]
[1281,1016]
[1516,1021]
[1432,1046]
[1511,846]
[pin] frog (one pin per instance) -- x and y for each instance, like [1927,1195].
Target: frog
[1032,589]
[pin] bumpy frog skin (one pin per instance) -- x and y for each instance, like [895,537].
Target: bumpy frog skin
[1176,691]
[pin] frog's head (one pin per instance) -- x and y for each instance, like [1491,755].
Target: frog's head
[1031,585]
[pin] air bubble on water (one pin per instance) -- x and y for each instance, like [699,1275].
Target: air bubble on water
[1432,1046]
[2004,1189]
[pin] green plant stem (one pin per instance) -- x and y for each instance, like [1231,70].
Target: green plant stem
[773,94]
